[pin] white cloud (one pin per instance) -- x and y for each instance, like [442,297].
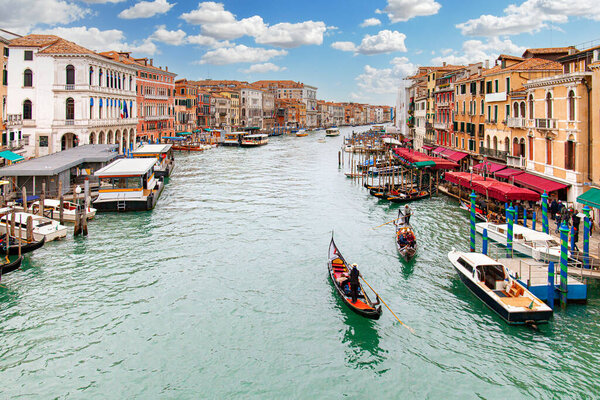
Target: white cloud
[218,23]
[146,9]
[477,51]
[344,46]
[384,42]
[293,35]
[23,15]
[370,22]
[163,35]
[97,40]
[385,80]
[263,68]
[101,1]
[403,10]
[207,41]
[530,16]
[239,54]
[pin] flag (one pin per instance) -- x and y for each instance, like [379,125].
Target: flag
[125,111]
[121,106]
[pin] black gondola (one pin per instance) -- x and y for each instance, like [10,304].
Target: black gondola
[13,247]
[406,241]
[11,265]
[338,266]
[400,197]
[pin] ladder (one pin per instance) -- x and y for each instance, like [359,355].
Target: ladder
[121,205]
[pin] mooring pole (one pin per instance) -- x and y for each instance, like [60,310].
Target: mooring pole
[473,197]
[550,295]
[484,245]
[564,254]
[545,213]
[509,231]
[586,237]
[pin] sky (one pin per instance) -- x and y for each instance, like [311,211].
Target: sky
[352,50]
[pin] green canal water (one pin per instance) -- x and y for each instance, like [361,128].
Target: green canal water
[222,292]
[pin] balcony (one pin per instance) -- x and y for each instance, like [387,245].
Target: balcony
[441,125]
[94,122]
[443,104]
[13,120]
[516,161]
[497,154]
[156,97]
[542,123]
[94,89]
[156,117]
[513,122]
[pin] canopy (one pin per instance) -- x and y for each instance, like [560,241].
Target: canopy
[425,147]
[173,138]
[490,187]
[416,159]
[491,167]
[447,152]
[10,156]
[462,178]
[183,133]
[538,183]
[439,149]
[457,156]
[590,198]
[506,173]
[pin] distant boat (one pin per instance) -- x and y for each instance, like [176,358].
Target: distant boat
[302,133]
[337,268]
[491,282]
[255,140]
[406,241]
[332,132]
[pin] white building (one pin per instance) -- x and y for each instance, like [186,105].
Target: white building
[251,106]
[309,97]
[68,95]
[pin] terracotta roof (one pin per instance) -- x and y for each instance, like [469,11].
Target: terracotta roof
[529,64]
[34,41]
[549,50]
[509,57]
[472,77]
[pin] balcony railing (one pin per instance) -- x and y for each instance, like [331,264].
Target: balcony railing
[69,87]
[500,155]
[542,123]
[156,117]
[443,103]
[441,125]
[513,122]
[516,161]
[14,120]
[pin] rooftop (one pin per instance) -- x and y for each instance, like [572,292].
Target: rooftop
[56,163]
[153,149]
[127,167]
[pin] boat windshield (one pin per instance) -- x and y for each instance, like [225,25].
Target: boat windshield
[492,274]
[546,243]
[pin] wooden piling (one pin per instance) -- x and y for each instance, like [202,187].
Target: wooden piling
[12,224]
[30,237]
[86,199]
[42,198]
[24,194]
[20,234]
[77,229]
[60,203]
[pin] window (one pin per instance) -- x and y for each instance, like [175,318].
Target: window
[531,106]
[522,110]
[6,52]
[488,88]
[4,76]
[28,55]
[549,105]
[495,114]
[496,86]
[571,104]
[570,154]
[482,107]
[489,114]
[507,111]
[27,109]
[548,151]
[27,78]
[70,109]
[91,75]
[507,85]
[43,141]
[464,107]
[463,143]
[515,109]
[530,139]
[70,75]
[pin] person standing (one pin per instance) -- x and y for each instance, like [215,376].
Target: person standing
[354,274]
[407,214]
[553,208]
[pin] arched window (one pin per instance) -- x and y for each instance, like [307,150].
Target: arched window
[571,103]
[27,78]
[488,141]
[27,108]
[530,148]
[506,145]
[549,105]
[515,109]
[70,109]
[516,147]
[495,143]
[570,153]
[531,106]
[70,75]
[91,76]
[522,148]
[100,77]
[522,109]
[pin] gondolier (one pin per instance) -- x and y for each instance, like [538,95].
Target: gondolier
[354,274]
[407,214]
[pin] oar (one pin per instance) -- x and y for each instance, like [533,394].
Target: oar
[388,307]
[389,222]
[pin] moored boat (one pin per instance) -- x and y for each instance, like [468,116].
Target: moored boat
[406,240]
[163,153]
[52,210]
[13,247]
[10,266]
[43,228]
[232,138]
[491,282]
[397,196]
[479,213]
[254,140]
[332,132]
[338,269]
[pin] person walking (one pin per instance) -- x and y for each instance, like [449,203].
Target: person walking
[553,208]
[354,274]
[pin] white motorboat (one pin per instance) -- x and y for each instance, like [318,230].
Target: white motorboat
[332,132]
[491,282]
[52,210]
[43,228]
[535,244]
[255,140]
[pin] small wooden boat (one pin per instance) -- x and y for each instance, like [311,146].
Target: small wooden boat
[10,266]
[52,210]
[302,133]
[13,247]
[412,195]
[406,240]
[491,282]
[338,268]
[479,213]
[43,228]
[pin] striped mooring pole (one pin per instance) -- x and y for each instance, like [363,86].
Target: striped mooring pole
[484,243]
[545,213]
[550,299]
[506,212]
[564,254]
[572,238]
[525,217]
[533,221]
[509,231]
[586,237]
[473,196]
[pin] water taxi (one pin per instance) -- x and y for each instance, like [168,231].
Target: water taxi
[332,132]
[232,138]
[52,210]
[128,184]
[491,282]
[302,133]
[43,228]
[163,153]
[254,140]
[535,244]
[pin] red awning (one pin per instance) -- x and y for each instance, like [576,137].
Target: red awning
[439,149]
[425,147]
[406,140]
[412,156]
[507,173]
[490,187]
[491,167]
[538,183]
[457,156]
[462,178]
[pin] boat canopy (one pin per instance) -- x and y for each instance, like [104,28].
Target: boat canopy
[497,190]
[176,139]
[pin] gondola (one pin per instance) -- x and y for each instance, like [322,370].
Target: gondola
[401,197]
[337,266]
[407,248]
[11,266]
[13,248]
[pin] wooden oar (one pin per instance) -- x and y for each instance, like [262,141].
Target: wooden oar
[389,222]
[388,307]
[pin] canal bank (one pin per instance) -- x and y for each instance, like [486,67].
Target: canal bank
[222,290]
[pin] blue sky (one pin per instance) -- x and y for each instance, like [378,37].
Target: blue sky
[352,50]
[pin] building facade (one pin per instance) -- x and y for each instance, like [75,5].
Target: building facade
[186,102]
